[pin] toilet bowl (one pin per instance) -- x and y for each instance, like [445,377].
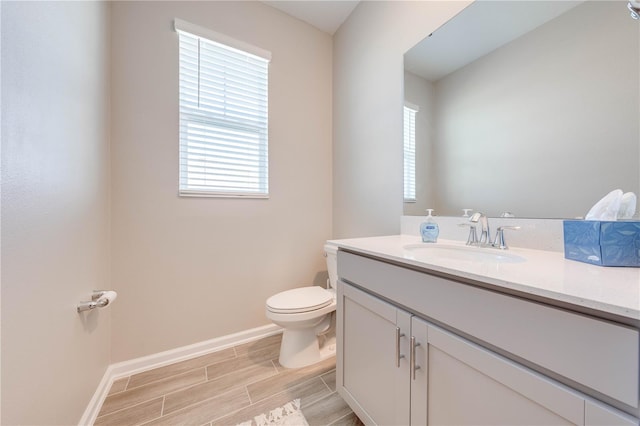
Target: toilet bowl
[307,316]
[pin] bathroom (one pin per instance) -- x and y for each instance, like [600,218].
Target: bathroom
[89,181]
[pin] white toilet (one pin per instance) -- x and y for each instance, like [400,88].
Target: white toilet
[306,315]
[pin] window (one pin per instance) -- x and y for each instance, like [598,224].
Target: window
[223,115]
[410,153]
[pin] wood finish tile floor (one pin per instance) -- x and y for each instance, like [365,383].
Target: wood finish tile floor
[225,388]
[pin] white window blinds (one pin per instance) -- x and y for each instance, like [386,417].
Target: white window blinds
[410,153]
[223,115]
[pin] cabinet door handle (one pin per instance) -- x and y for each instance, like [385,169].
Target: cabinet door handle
[412,357]
[398,355]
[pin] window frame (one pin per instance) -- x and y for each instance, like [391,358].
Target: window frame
[199,127]
[409,191]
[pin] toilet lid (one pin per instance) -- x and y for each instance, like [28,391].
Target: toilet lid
[299,300]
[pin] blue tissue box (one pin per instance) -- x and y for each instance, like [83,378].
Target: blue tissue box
[603,243]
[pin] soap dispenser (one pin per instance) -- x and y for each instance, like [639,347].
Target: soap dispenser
[429,229]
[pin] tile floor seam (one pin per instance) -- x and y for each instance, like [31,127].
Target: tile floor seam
[343,417]
[325,383]
[235,353]
[318,398]
[235,371]
[128,407]
[245,386]
[168,376]
[204,400]
[113,393]
[148,421]
[235,356]
[192,385]
[251,404]
[176,373]
[246,389]
[161,379]
[218,417]
[230,414]
[327,396]
[161,395]
[287,388]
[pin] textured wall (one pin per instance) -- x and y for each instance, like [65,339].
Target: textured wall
[55,223]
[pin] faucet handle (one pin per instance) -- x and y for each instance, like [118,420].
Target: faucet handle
[476,217]
[499,242]
[485,235]
[472,239]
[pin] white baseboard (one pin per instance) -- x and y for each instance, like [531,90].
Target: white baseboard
[137,365]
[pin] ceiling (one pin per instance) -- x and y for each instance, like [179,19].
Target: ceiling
[479,29]
[326,15]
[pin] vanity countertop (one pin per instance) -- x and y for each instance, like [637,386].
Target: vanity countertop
[544,274]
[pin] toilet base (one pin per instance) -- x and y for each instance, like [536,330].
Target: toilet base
[301,348]
[328,347]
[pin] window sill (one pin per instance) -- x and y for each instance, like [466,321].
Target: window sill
[206,194]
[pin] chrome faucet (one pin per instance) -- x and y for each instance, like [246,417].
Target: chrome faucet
[485,234]
[484,227]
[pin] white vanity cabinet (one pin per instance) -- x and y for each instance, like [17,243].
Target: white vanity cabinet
[373,353]
[420,349]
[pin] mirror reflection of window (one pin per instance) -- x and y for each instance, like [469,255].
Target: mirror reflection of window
[410,152]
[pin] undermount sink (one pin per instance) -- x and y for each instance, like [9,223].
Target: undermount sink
[428,251]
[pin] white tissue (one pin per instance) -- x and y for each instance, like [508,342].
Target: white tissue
[607,208]
[627,206]
[110,296]
[613,206]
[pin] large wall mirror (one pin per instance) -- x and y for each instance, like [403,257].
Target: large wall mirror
[528,107]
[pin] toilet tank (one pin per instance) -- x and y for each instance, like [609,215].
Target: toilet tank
[331,251]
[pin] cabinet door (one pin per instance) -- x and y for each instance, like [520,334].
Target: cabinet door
[471,385]
[371,376]
[419,370]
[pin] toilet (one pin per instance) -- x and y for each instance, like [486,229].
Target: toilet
[307,315]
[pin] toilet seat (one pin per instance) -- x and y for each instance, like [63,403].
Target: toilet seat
[300,300]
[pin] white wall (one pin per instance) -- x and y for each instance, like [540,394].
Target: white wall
[192,269]
[55,209]
[546,125]
[367,110]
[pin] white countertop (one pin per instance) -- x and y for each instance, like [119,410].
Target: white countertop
[545,274]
